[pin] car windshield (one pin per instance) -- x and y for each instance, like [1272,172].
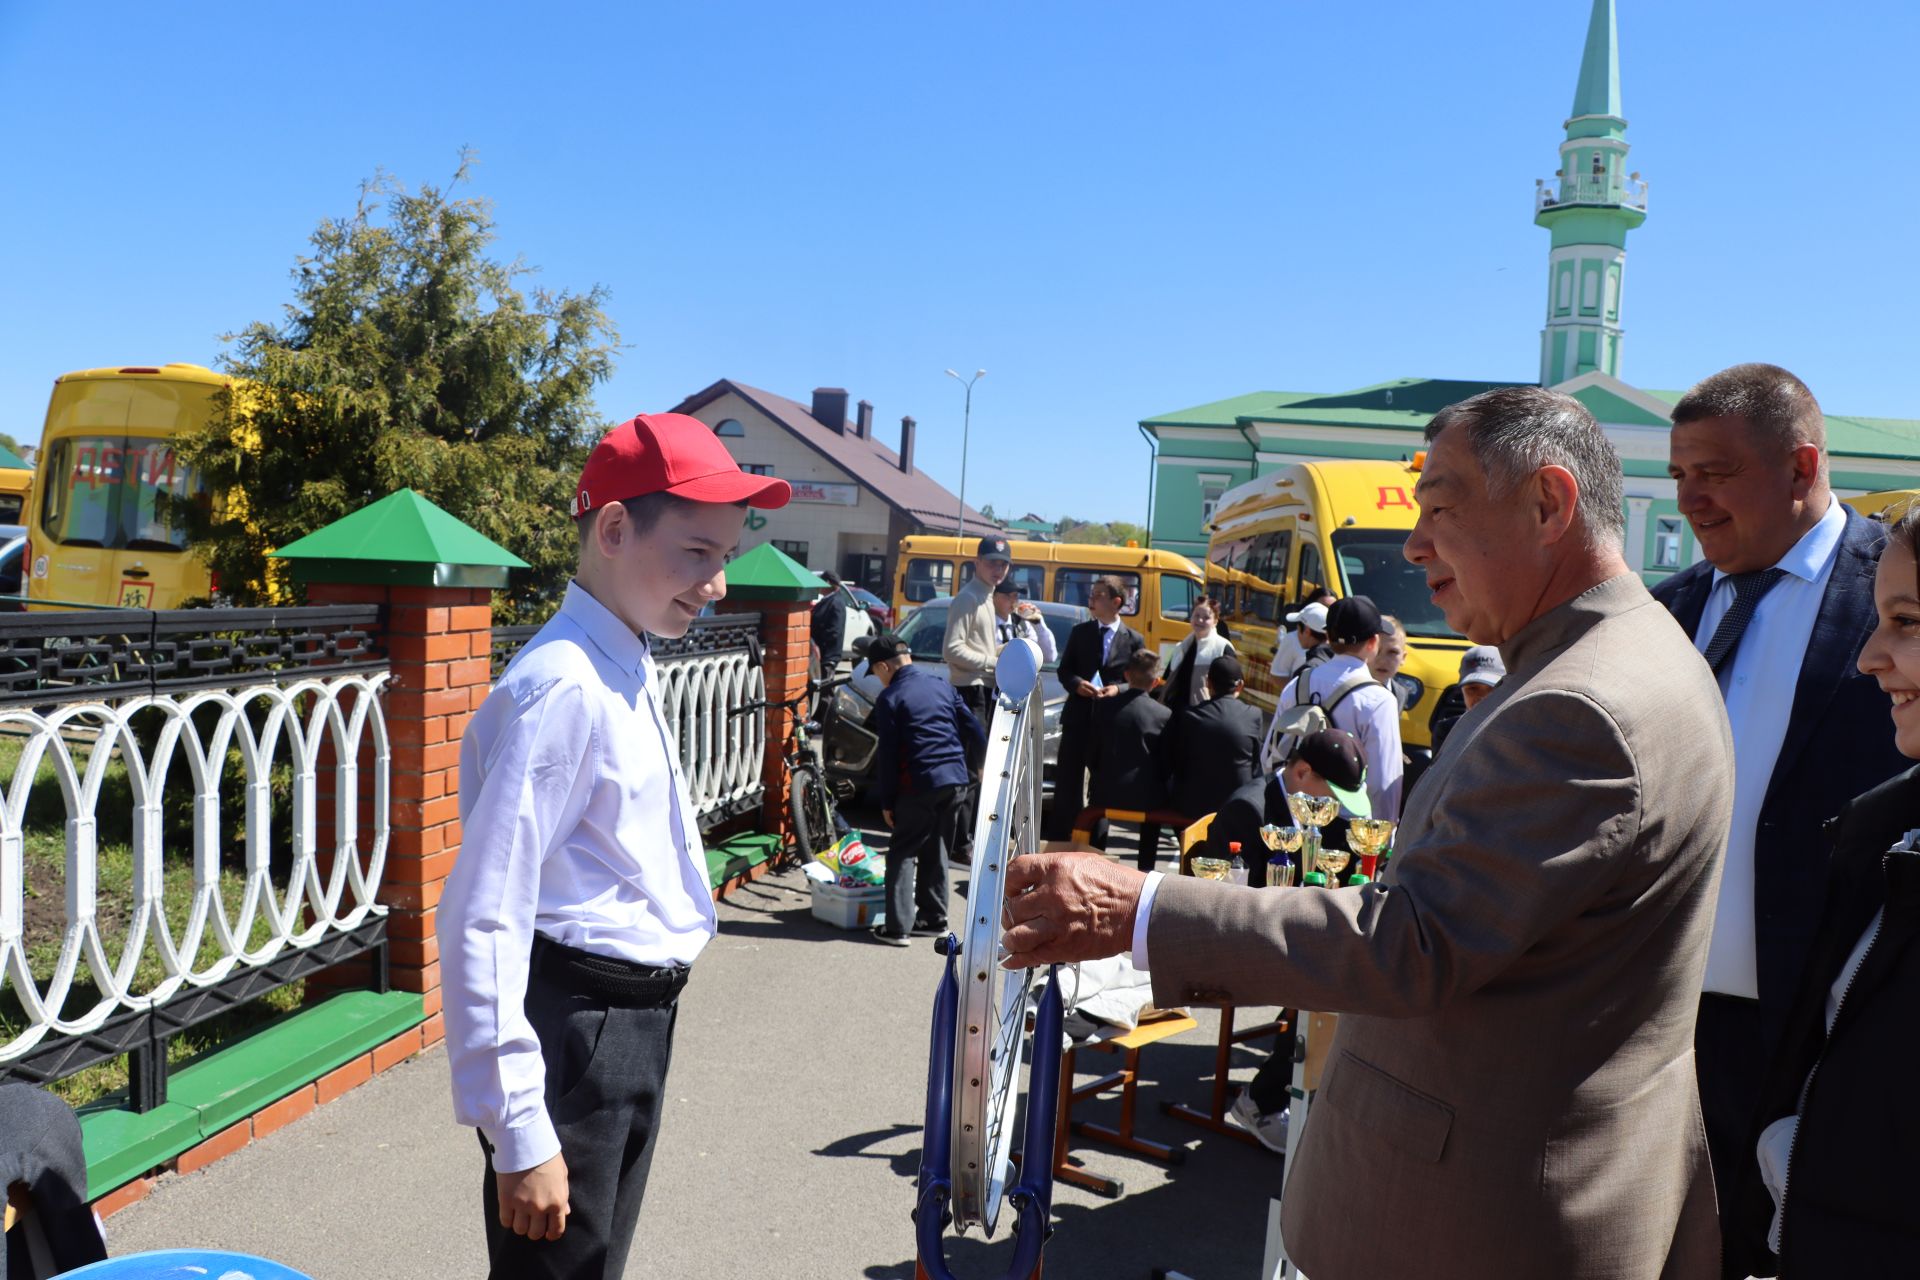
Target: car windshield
[926,631]
[1371,565]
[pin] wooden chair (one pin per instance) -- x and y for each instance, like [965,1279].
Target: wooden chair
[1214,1118]
[1089,821]
[1126,1077]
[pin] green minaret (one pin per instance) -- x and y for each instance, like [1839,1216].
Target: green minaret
[1589,205]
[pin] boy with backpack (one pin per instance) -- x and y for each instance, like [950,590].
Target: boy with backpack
[1340,692]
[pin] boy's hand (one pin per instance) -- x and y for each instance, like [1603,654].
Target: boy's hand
[533,1202]
[886,816]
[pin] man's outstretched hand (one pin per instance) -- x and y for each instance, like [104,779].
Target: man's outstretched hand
[1063,907]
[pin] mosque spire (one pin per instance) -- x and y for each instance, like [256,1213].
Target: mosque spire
[1589,205]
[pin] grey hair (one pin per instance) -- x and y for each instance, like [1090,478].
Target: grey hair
[1776,405]
[1515,431]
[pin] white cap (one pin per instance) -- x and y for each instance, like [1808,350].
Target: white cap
[1314,616]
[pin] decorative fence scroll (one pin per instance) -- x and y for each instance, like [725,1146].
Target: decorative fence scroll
[186,726]
[704,676]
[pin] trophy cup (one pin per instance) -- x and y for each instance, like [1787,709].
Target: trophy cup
[1207,868]
[1368,837]
[1313,813]
[1283,871]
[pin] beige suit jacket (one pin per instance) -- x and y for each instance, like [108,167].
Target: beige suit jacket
[1511,1092]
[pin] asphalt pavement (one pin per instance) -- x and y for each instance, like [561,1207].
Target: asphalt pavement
[789,1149]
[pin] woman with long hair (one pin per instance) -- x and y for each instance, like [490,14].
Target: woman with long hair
[1186,670]
[1838,1174]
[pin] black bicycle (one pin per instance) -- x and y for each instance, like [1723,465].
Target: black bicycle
[815,810]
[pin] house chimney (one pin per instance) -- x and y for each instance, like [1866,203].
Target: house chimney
[863,420]
[830,408]
[906,445]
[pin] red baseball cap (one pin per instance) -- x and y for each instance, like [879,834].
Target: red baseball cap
[670,453]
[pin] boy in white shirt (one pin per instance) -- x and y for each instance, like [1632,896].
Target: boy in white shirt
[579,900]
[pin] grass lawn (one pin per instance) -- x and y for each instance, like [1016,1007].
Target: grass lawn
[45,913]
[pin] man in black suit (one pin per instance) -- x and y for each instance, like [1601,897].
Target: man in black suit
[1212,748]
[1126,751]
[1093,666]
[1780,610]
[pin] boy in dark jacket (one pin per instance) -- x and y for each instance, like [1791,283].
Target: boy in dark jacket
[1127,769]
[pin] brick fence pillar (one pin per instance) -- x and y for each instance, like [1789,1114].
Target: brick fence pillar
[768,581]
[434,578]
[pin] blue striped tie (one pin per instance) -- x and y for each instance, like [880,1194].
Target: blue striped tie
[1748,588]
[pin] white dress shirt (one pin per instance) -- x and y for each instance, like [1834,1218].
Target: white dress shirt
[1287,655]
[576,824]
[1371,713]
[1009,628]
[1759,683]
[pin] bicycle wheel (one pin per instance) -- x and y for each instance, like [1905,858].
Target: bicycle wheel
[811,805]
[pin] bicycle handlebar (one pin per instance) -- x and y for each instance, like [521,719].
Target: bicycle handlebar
[813,687]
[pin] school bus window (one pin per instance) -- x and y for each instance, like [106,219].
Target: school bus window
[928,580]
[10,504]
[1031,579]
[1176,596]
[1312,579]
[1267,562]
[1074,586]
[1372,564]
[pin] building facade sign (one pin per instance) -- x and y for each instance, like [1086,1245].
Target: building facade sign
[839,495]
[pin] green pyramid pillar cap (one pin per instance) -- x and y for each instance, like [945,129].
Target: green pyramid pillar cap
[401,540]
[768,573]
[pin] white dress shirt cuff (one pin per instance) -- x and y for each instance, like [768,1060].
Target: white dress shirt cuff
[1140,914]
[518,1149]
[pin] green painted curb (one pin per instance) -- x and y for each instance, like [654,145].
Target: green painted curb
[738,855]
[213,1093]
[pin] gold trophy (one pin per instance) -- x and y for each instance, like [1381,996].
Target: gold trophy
[1313,813]
[1211,868]
[1369,837]
[1283,872]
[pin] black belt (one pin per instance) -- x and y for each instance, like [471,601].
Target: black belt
[616,981]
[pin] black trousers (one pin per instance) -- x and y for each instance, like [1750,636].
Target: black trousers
[979,700]
[1069,778]
[1149,846]
[1730,1056]
[607,1040]
[924,828]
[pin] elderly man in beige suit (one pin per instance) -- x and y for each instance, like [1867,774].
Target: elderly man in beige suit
[1511,1090]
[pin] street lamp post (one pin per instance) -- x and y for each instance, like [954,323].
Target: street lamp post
[966,428]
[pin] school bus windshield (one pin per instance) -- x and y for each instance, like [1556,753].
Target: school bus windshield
[1372,565]
[105,491]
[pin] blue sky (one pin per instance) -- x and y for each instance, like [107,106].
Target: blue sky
[1115,209]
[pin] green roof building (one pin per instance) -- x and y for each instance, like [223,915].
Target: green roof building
[1588,207]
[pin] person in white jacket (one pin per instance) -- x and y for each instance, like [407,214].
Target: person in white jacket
[1015,619]
[1186,670]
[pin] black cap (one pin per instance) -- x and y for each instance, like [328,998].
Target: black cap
[1224,672]
[885,647]
[993,549]
[1006,587]
[1335,756]
[1353,620]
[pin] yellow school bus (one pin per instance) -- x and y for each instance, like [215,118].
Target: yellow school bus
[1161,586]
[97,533]
[16,485]
[1888,504]
[1340,526]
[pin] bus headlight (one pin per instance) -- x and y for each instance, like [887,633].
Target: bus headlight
[1409,690]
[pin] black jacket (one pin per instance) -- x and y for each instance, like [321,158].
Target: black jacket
[1081,658]
[1854,1180]
[1211,750]
[1127,766]
[1839,741]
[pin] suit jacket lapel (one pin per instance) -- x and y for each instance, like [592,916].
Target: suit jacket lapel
[1691,602]
[1846,617]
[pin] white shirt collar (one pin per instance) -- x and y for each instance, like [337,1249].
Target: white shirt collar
[1810,556]
[610,635]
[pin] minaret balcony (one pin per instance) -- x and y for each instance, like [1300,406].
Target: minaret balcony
[1589,189]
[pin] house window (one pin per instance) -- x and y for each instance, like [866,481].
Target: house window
[757,468]
[730,427]
[1666,542]
[1211,487]
[798,550]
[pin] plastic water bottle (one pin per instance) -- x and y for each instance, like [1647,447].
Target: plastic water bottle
[1237,870]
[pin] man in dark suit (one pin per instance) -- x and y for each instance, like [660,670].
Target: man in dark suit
[1127,770]
[1780,609]
[1093,666]
[1213,748]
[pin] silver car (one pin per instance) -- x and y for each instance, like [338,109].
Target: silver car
[926,631]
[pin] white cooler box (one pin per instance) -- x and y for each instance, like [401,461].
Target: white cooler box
[860,907]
